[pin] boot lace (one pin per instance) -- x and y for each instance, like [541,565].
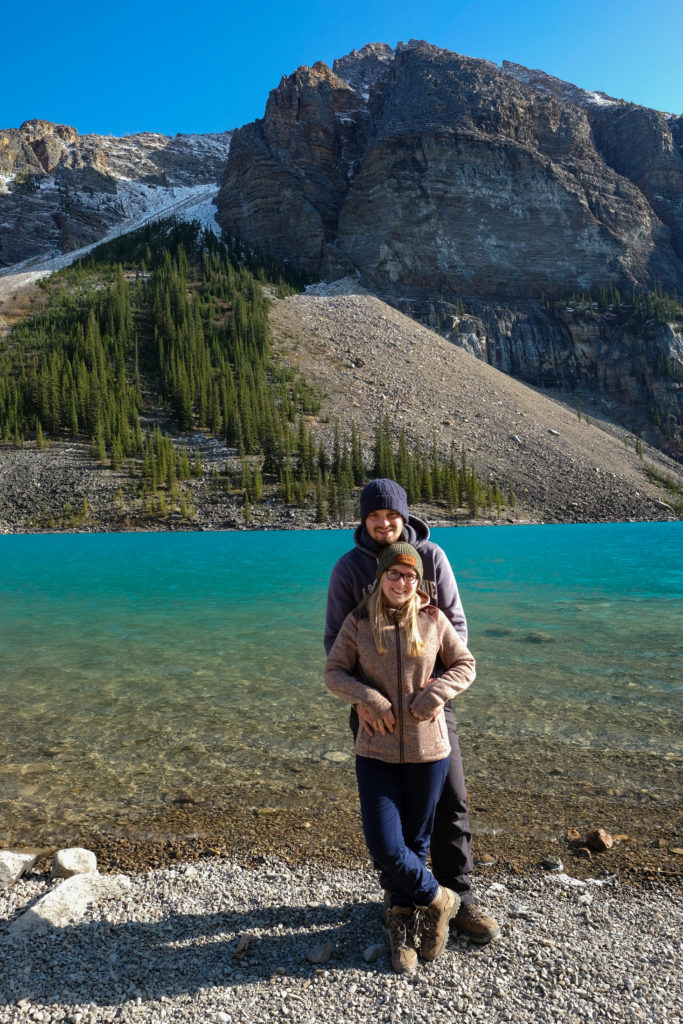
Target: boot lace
[398,930]
[472,911]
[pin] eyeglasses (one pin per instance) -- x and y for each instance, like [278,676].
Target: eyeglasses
[409,577]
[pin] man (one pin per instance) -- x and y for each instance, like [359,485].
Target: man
[385,519]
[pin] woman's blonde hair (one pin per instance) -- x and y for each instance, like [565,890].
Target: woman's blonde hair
[382,614]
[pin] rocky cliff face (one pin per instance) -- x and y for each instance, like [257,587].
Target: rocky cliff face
[60,191]
[435,176]
[641,145]
[286,183]
[637,363]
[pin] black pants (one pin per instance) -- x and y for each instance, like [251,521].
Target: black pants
[451,845]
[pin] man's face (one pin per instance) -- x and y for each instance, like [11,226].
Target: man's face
[384,526]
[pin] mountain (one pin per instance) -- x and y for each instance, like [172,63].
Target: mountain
[429,174]
[61,191]
[533,224]
[517,213]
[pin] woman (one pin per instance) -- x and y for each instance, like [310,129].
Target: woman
[383,660]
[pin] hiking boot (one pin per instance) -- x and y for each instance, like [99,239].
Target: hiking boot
[401,929]
[435,918]
[385,906]
[475,924]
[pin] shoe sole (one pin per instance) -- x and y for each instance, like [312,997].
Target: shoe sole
[405,970]
[477,940]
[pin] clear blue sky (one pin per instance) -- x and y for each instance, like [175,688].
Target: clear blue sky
[206,65]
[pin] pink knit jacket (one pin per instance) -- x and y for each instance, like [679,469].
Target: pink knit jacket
[358,674]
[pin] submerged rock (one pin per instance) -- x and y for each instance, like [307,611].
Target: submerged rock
[599,840]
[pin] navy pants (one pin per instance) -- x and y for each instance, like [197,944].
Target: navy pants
[451,846]
[398,804]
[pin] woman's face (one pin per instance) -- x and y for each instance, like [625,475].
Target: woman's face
[397,591]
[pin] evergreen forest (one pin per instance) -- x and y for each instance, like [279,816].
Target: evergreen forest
[162,335]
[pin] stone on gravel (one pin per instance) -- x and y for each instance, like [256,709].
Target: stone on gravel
[599,840]
[13,865]
[320,954]
[552,864]
[373,953]
[74,861]
[68,903]
[242,946]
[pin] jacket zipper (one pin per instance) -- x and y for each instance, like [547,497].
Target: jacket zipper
[399,669]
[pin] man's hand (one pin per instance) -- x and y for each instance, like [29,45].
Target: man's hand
[371,722]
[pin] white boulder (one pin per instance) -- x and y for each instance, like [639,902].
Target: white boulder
[74,861]
[67,904]
[13,865]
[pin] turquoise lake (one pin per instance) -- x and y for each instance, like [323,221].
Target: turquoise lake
[134,667]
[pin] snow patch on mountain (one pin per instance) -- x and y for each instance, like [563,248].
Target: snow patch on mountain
[149,153]
[557,87]
[61,193]
[140,204]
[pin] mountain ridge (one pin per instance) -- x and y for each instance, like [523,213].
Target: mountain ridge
[413,104]
[451,186]
[485,201]
[61,192]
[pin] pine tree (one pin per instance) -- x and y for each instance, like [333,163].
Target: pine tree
[336,451]
[257,484]
[402,460]
[116,454]
[357,467]
[321,510]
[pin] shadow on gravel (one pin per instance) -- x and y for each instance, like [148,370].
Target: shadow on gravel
[107,964]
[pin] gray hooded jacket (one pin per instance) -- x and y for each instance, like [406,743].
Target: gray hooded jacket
[353,577]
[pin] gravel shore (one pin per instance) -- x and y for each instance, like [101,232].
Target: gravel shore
[214,941]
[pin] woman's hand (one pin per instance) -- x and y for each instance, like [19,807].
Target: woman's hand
[371,722]
[426,716]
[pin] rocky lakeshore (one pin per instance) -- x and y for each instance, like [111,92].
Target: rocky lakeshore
[218,941]
[212,906]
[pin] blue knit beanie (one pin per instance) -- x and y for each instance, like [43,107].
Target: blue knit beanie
[383,493]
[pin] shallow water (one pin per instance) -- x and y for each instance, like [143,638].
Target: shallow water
[136,667]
